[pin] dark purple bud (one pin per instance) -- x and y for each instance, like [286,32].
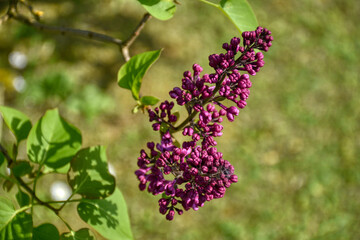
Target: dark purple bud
[156,126]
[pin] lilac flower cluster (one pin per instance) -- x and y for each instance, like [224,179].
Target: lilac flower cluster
[189,175]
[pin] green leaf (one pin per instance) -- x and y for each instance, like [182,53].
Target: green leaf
[149,100]
[89,175]
[240,13]
[82,234]
[22,198]
[21,168]
[107,216]
[46,231]
[160,9]
[131,73]
[17,122]
[53,141]
[14,224]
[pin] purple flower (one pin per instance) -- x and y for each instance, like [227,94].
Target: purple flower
[195,170]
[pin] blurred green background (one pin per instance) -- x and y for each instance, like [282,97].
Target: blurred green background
[295,147]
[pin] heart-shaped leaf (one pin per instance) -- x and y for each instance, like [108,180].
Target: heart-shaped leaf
[89,175]
[53,142]
[131,73]
[17,122]
[107,216]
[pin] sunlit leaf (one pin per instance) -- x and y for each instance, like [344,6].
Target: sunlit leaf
[53,141]
[107,216]
[46,231]
[240,13]
[17,122]
[131,73]
[89,175]
[160,9]
[14,224]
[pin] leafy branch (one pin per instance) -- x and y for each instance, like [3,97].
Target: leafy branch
[56,144]
[24,185]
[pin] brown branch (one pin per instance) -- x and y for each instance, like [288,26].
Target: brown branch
[123,45]
[128,42]
[65,30]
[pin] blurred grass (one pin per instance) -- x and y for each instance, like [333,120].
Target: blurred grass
[295,147]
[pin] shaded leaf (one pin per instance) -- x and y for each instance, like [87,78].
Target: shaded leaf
[89,175]
[17,122]
[240,13]
[81,234]
[14,224]
[21,168]
[131,73]
[160,9]
[149,100]
[22,198]
[53,141]
[107,216]
[46,231]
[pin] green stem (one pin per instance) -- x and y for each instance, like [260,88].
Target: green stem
[34,186]
[67,225]
[66,201]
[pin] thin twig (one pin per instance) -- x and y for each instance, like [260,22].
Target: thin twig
[123,45]
[64,30]
[128,42]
